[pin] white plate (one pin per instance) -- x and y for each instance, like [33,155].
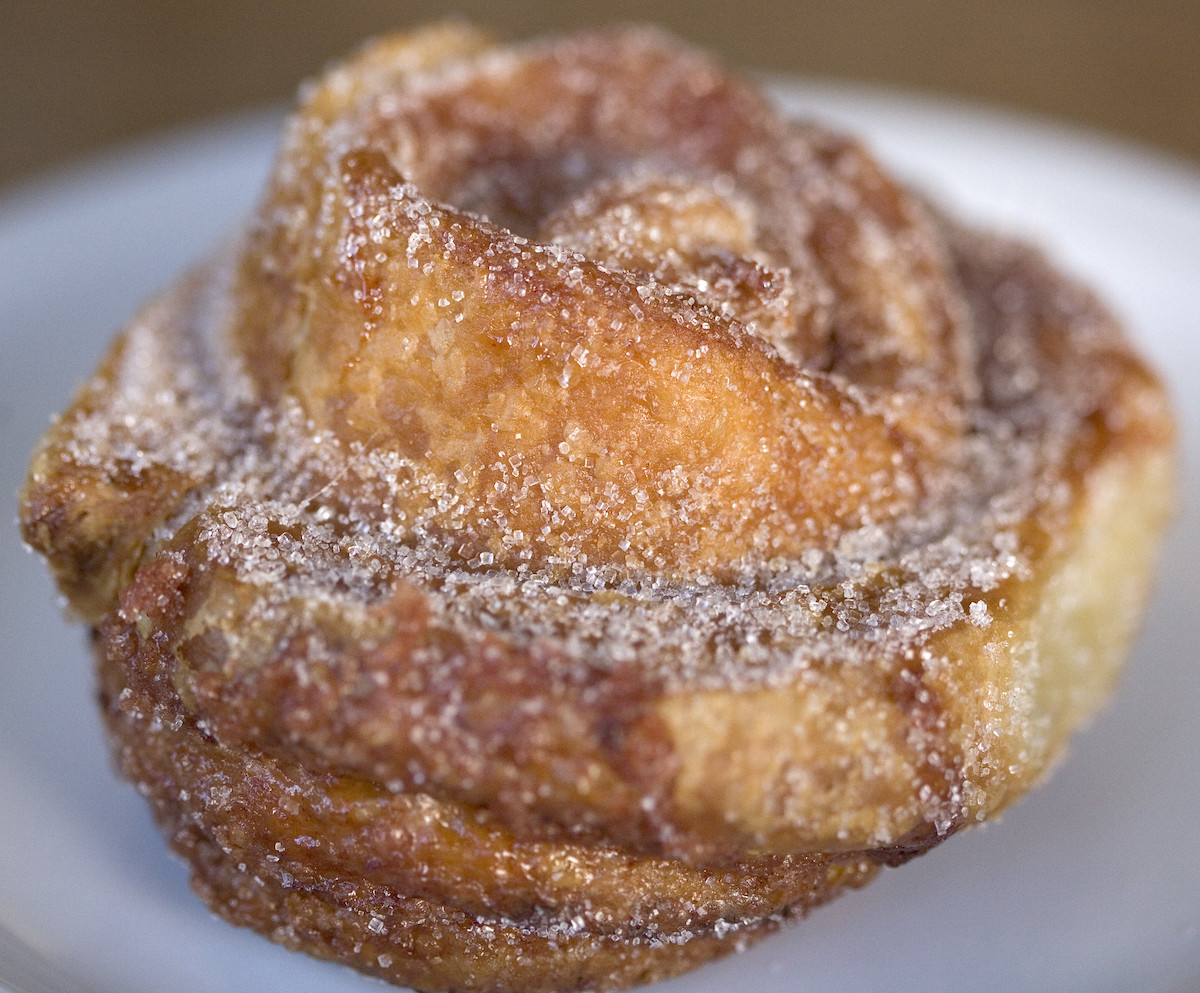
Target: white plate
[1092,884]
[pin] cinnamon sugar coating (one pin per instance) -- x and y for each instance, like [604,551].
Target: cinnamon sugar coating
[588,517]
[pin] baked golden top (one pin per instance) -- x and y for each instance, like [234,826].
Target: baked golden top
[572,436]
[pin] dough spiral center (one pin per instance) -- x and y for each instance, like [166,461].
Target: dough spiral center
[719,339]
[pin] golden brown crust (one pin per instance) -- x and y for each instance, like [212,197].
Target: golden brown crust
[426,892]
[301,840]
[713,515]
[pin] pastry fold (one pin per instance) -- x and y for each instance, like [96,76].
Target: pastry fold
[588,518]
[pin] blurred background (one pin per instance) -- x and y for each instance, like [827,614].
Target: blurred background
[80,75]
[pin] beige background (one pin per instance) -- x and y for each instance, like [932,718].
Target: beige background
[79,75]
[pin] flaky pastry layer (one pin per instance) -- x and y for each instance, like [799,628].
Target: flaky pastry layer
[576,462]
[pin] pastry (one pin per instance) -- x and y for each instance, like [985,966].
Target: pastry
[588,518]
